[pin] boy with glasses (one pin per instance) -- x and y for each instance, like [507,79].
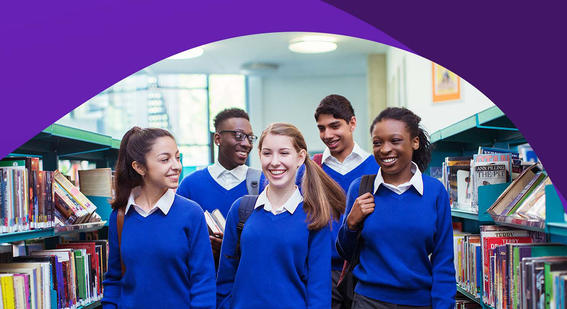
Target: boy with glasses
[220,184]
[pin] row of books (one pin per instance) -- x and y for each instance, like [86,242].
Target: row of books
[31,198]
[66,277]
[463,175]
[509,268]
[26,197]
[523,202]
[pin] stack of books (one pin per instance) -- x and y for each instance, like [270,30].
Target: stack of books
[523,202]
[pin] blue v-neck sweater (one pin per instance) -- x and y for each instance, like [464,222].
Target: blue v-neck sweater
[283,264]
[200,187]
[168,260]
[367,167]
[397,239]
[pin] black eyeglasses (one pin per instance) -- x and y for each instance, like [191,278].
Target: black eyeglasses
[240,136]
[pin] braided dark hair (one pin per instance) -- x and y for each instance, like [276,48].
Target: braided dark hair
[421,156]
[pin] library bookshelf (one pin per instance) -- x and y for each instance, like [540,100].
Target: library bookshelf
[491,128]
[59,142]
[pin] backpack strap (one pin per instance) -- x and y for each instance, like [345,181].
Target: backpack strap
[245,209]
[253,180]
[318,158]
[120,224]
[366,184]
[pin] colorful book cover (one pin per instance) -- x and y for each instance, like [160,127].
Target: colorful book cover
[74,191]
[8,296]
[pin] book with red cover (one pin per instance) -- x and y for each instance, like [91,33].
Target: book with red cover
[95,269]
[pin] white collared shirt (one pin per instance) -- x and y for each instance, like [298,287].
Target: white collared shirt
[416,181]
[290,205]
[225,178]
[357,156]
[164,203]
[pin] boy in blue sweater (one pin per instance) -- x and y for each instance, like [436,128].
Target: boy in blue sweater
[344,161]
[405,230]
[219,185]
[160,255]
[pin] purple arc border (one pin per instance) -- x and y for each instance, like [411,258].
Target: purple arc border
[61,54]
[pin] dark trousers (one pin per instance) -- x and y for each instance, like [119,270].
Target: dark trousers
[339,300]
[363,302]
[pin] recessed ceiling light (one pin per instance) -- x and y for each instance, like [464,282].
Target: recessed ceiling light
[313,44]
[188,54]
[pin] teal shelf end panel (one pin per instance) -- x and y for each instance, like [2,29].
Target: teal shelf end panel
[102,204]
[555,216]
[487,195]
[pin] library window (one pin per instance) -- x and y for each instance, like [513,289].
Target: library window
[184,104]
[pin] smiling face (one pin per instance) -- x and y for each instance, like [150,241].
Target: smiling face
[280,161]
[393,148]
[336,134]
[163,166]
[232,152]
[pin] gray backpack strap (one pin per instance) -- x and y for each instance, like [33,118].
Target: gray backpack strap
[253,180]
[366,184]
[245,209]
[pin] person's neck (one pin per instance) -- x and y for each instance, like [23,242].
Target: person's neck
[149,196]
[278,196]
[397,179]
[344,154]
[227,164]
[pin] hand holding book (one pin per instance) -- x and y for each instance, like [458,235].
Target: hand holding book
[363,206]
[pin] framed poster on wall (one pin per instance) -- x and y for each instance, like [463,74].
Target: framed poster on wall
[446,84]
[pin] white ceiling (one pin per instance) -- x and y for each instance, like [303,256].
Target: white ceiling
[229,55]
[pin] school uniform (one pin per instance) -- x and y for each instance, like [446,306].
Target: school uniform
[215,187]
[356,164]
[282,263]
[406,256]
[167,256]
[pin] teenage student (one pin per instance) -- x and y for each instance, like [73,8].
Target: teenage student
[160,254]
[344,161]
[220,184]
[281,258]
[404,225]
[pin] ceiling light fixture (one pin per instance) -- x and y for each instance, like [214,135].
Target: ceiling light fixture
[188,54]
[313,45]
[258,67]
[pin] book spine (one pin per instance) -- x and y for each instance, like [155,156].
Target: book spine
[50,200]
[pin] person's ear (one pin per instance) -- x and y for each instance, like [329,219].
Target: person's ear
[217,139]
[139,168]
[301,158]
[415,143]
[352,123]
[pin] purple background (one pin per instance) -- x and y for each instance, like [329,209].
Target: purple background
[56,55]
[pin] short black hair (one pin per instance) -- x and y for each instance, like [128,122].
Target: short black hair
[335,105]
[421,156]
[227,114]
